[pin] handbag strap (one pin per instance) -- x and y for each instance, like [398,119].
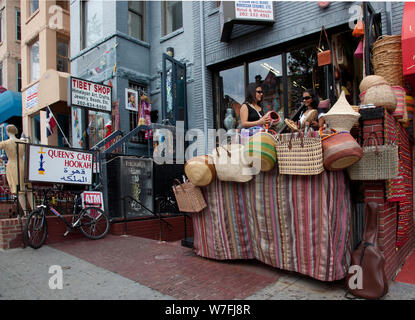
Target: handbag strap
[328,43]
[372,136]
[301,134]
[217,152]
[320,131]
[178,184]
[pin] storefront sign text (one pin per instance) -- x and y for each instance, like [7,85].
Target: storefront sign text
[90,95]
[32,98]
[255,10]
[59,165]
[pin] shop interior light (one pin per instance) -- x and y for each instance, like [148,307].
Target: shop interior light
[270,68]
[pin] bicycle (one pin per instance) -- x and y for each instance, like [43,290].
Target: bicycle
[92,222]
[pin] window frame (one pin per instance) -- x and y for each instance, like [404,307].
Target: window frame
[1,24]
[164,18]
[31,80]
[83,28]
[60,38]
[30,7]
[19,76]
[18,29]
[133,116]
[143,19]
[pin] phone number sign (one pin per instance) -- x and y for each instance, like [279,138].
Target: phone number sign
[90,95]
[254,10]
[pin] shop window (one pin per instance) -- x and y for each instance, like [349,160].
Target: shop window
[303,73]
[34,5]
[268,73]
[96,129]
[36,129]
[62,58]
[172,16]
[136,19]
[231,89]
[133,116]
[92,23]
[18,26]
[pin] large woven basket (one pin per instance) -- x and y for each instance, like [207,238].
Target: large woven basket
[299,155]
[341,116]
[379,162]
[387,59]
[189,197]
[381,96]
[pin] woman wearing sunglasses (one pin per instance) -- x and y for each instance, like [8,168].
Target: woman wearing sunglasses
[251,113]
[310,116]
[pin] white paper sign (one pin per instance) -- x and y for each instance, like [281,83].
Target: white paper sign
[90,95]
[32,98]
[255,10]
[59,165]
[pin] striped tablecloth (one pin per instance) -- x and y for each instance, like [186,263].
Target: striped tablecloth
[295,223]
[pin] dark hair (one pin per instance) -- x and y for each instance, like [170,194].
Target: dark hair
[315,101]
[251,92]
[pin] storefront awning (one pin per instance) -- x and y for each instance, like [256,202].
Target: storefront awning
[51,88]
[10,105]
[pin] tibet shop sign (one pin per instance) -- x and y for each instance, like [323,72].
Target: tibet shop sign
[90,95]
[50,164]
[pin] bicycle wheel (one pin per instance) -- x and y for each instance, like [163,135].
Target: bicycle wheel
[36,228]
[94,223]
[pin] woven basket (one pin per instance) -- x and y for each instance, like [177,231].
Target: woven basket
[341,116]
[189,197]
[299,155]
[400,102]
[370,81]
[356,124]
[387,59]
[379,162]
[381,96]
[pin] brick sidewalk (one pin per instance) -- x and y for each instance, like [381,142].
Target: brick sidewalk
[172,269]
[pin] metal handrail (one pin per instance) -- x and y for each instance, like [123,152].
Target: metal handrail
[105,140]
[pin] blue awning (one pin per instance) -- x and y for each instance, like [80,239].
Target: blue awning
[10,105]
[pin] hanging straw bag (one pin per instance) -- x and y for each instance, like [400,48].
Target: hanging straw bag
[379,162]
[324,57]
[299,155]
[189,197]
[231,164]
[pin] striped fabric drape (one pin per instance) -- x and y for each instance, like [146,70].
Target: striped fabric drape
[295,223]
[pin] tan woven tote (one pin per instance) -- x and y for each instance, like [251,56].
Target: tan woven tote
[299,155]
[189,197]
[379,162]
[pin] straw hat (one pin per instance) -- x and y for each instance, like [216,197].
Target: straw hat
[200,170]
[341,116]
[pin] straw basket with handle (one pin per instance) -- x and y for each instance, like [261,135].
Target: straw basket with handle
[261,151]
[381,96]
[299,155]
[379,162]
[387,59]
[340,150]
[189,197]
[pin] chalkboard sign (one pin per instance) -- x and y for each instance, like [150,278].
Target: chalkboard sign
[137,183]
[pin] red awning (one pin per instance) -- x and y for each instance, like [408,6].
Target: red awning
[408,45]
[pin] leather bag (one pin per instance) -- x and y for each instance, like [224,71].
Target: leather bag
[370,259]
[324,57]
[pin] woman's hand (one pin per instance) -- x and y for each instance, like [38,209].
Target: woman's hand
[265,119]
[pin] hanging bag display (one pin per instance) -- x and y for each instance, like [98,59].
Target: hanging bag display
[299,155]
[359,29]
[323,57]
[189,197]
[379,162]
[359,50]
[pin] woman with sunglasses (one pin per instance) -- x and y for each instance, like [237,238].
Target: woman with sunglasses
[251,113]
[310,116]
